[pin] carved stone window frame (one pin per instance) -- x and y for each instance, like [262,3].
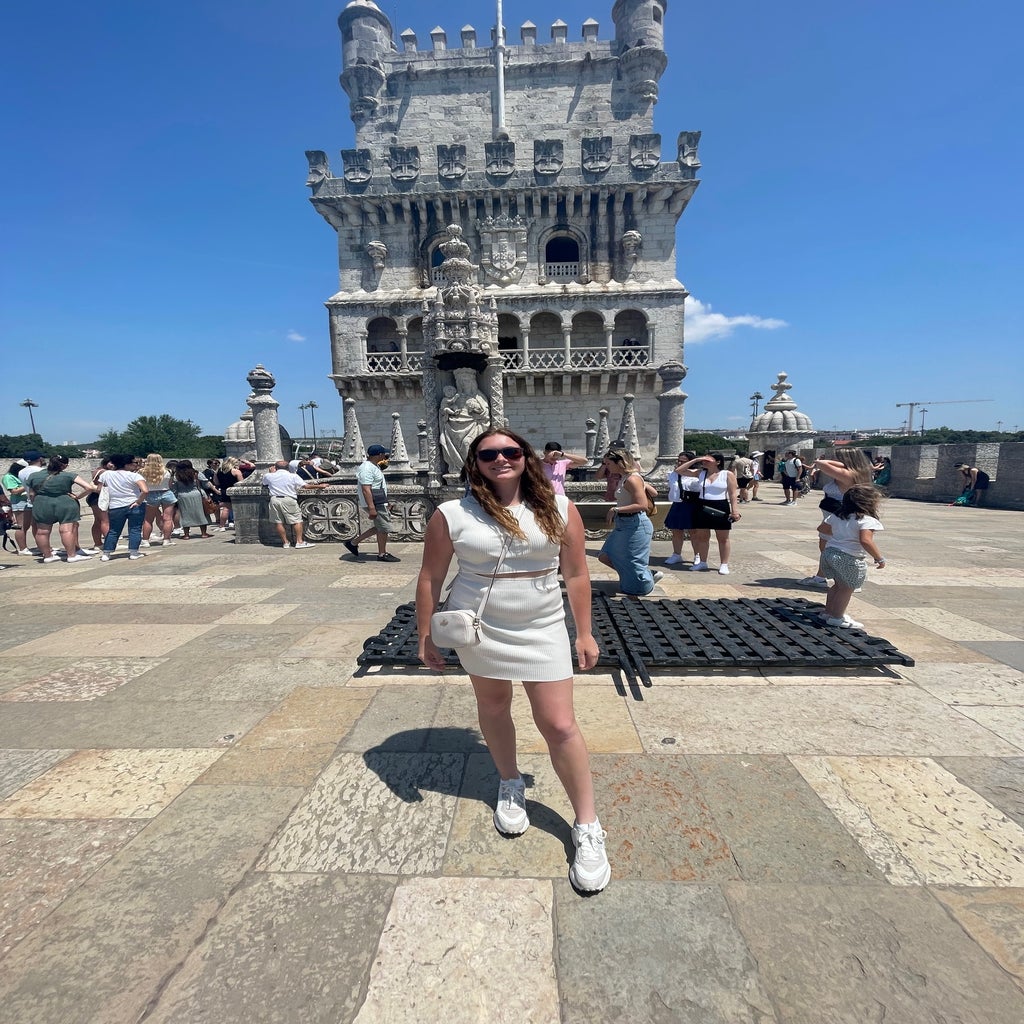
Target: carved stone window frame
[563,231]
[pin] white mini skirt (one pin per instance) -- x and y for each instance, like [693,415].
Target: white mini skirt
[523,634]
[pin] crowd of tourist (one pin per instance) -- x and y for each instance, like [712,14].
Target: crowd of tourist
[156,501]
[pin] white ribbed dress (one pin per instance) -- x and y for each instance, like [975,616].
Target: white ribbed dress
[523,634]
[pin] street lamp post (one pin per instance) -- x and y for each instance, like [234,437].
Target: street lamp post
[302,409]
[312,415]
[30,405]
[755,398]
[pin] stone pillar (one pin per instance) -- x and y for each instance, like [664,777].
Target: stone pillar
[355,451]
[609,333]
[421,442]
[627,428]
[265,423]
[403,348]
[604,437]
[670,418]
[567,345]
[524,333]
[591,436]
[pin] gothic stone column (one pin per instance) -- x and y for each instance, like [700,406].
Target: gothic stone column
[670,418]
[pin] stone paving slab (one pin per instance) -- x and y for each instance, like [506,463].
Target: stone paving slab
[851,954]
[285,948]
[651,953]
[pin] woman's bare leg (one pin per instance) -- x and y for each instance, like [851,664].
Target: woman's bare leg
[556,720]
[724,545]
[494,713]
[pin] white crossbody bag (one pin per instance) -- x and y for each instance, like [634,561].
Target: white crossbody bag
[460,627]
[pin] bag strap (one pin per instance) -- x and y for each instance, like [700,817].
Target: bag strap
[487,593]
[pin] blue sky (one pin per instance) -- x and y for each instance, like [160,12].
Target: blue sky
[858,225]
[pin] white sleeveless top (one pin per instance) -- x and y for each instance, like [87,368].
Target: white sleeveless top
[717,489]
[477,538]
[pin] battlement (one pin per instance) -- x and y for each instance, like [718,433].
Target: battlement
[474,45]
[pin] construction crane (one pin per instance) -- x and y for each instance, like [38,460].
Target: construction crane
[915,405]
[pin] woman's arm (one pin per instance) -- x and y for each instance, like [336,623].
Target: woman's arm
[843,477]
[867,542]
[732,489]
[437,556]
[573,560]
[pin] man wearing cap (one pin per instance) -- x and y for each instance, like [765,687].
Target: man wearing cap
[372,492]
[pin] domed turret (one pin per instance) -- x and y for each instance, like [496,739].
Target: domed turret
[639,23]
[366,38]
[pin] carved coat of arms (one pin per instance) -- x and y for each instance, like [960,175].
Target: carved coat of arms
[644,152]
[405,163]
[503,254]
[319,168]
[688,159]
[451,162]
[358,166]
[548,156]
[501,158]
[596,154]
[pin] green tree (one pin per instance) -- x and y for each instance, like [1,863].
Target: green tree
[171,437]
[702,443]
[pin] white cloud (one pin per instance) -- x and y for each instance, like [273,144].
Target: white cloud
[703,324]
[294,335]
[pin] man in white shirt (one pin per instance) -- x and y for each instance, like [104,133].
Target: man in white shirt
[372,492]
[284,487]
[792,467]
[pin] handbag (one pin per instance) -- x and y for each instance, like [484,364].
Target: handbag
[709,510]
[103,501]
[209,505]
[460,627]
[829,504]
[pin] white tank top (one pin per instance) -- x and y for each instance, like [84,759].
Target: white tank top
[717,489]
[477,538]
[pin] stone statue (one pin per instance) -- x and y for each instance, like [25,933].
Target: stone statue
[464,414]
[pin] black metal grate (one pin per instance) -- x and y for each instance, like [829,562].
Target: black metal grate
[634,635]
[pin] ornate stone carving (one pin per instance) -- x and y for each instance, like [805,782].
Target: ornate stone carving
[451,162]
[548,156]
[500,158]
[358,166]
[503,248]
[688,159]
[405,164]
[647,90]
[596,154]
[378,253]
[644,151]
[319,168]
[631,242]
[458,290]
[464,414]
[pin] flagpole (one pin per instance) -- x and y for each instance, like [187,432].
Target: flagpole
[499,62]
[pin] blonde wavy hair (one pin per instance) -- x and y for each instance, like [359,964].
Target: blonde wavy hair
[153,469]
[857,463]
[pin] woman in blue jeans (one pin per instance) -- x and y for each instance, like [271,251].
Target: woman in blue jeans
[628,547]
[127,490]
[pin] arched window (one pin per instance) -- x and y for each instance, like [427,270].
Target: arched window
[436,259]
[630,340]
[509,340]
[562,249]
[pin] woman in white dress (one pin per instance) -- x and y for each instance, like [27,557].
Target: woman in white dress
[523,633]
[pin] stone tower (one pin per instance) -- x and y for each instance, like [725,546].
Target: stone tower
[544,154]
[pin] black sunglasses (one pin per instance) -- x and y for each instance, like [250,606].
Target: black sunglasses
[491,454]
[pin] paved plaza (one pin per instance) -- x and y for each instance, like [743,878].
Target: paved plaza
[209,814]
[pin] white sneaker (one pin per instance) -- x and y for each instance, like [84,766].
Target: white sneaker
[658,576]
[104,557]
[178,532]
[723,569]
[813,581]
[510,817]
[87,551]
[674,560]
[843,623]
[144,544]
[590,871]
[135,554]
[305,544]
[52,558]
[699,567]
[26,551]
[78,558]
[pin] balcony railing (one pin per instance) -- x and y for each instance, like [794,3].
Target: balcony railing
[561,271]
[593,358]
[391,362]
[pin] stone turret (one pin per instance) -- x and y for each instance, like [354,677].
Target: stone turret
[366,40]
[639,23]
